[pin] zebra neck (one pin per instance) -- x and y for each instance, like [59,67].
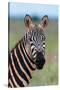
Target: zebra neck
[20,66]
[27,56]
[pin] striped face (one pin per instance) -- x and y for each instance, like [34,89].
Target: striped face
[37,31]
[37,37]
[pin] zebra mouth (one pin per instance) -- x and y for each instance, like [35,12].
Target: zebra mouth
[40,61]
[39,67]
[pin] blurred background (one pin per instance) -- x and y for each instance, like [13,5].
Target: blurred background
[16,13]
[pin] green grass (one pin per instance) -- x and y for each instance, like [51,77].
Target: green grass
[49,74]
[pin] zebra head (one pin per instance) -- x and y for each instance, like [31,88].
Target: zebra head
[37,39]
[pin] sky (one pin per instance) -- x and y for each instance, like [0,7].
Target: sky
[21,9]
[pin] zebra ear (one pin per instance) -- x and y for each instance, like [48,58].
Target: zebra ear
[44,21]
[27,20]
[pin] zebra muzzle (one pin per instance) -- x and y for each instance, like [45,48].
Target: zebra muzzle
[40,61]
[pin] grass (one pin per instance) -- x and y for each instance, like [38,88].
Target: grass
[49,74]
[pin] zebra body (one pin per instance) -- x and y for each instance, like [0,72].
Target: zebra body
[25,57]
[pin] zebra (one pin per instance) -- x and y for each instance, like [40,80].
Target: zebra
[27,55]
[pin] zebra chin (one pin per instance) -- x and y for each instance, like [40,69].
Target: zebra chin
[40,61]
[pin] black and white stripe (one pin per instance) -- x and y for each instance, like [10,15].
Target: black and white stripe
[20,66]
[38,38]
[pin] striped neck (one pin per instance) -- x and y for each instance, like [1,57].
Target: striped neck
[26,61]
